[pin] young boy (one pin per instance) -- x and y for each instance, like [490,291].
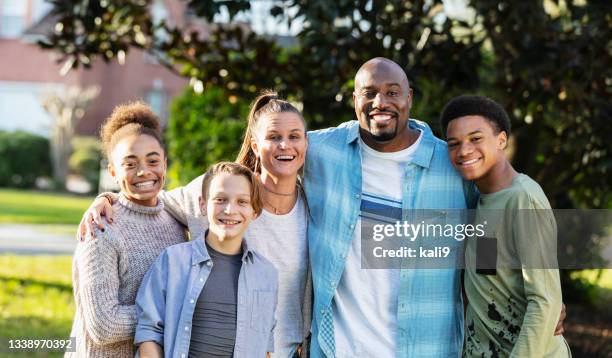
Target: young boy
[514,301]
[212,296]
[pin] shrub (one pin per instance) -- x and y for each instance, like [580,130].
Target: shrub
[23,158]
[203,129]
[85,159]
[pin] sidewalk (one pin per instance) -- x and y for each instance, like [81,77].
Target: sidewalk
[29,239]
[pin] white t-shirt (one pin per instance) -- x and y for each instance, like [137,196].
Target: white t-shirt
[282,240]
[365,303]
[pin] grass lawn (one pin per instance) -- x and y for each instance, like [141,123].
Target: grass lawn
[601,292]
[35,207]
[35,299]
[605,281]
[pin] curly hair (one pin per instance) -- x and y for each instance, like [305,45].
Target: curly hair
[129,119]
[468,105]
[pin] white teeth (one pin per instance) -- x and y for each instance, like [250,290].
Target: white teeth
[229,222]
[145,184]
[285,157]
[468,162]
[381,117]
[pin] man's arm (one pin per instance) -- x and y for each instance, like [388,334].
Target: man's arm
[534,232]
[542,289]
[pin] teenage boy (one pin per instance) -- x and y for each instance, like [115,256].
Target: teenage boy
[212,296]
[512,310]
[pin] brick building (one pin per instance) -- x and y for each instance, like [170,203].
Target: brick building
[27,72]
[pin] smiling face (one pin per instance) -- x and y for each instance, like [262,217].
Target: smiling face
[280,143]
[382,103]
[228,206]
[138,165]
[474,146]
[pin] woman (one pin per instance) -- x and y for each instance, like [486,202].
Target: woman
[274,147]
[108,267]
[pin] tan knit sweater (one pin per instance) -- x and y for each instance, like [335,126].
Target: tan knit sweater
[107,271]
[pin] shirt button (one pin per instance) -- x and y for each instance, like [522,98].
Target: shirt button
[191,301]
[183,355]
[186,328]
[352,226]
[357,196]
[201,279]
[208,263]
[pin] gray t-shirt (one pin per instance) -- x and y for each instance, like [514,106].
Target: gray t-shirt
[214,319]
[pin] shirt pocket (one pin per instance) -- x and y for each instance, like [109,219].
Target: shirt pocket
[262,314]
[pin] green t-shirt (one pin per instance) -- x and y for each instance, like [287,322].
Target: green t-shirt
[513,306]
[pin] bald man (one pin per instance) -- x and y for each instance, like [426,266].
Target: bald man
[383,162]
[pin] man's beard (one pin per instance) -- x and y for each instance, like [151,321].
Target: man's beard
[384,136]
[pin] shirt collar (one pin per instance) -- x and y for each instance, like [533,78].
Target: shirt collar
[200,254]
[422,156]
[353,133]
[424,153]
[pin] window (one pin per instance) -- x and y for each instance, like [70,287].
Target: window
[156,98]
[12,17]
[40,8]
[159,14]
[159,11]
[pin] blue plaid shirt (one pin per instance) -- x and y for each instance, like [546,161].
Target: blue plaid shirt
[430,308]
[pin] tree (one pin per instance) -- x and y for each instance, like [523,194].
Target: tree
[66,109]
[196,137]
[547,62]
[24,157]
[554,74]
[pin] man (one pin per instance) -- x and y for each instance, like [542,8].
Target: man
[383,160]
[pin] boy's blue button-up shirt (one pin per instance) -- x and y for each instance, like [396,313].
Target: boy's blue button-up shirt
[169,292]
[430,308]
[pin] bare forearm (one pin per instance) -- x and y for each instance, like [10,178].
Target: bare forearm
[150,350]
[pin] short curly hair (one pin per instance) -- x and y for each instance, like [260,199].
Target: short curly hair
[468,105]
[129,119]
